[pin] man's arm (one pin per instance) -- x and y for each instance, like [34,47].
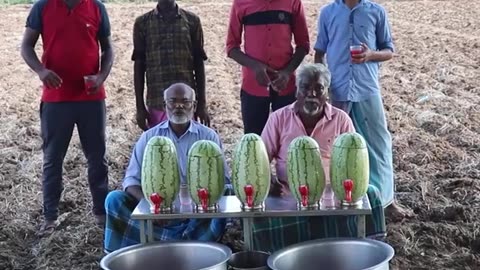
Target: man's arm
[384,39]
[301,37]
[322,38]
[30,37]
[199,57]
[139,69]
[104,37]
[133,175]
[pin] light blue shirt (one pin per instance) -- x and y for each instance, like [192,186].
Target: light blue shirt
[339,27]
[195,132]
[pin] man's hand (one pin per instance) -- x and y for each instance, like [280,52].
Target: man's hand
[201,115]
[281,81]
[142,118]
[261,73]
[95,81]
[363,57]
[50,78]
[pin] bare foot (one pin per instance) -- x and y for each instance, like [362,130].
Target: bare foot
[100,220]
[396,212]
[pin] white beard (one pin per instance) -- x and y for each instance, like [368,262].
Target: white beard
[311,113]
[179,119]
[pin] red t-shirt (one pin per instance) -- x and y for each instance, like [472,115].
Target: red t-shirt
[70,45]
[268,27]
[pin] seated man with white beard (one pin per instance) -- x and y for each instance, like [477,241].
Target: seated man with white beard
[312,116]
[120,229]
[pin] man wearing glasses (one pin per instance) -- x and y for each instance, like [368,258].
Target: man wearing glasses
[121,231]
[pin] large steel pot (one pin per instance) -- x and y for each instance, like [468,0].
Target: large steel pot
[333,254]
[184,255]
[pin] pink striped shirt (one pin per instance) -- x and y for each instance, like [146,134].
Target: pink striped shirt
[284,125]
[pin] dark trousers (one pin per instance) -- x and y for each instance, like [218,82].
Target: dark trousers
[255,110]
[57,122]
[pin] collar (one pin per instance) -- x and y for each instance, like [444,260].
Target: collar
[327,110]
[192,128]
[360,2]
[157,12]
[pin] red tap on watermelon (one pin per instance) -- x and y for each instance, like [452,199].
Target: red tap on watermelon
[156,200]
[348,186]
[249,193]
[203,196]
[303,189]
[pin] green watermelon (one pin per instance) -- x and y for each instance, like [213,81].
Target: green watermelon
[205,173]
[251,171]
[349,167]
[305,171]
[160,173]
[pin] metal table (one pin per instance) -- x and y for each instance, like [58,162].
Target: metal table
[230,207]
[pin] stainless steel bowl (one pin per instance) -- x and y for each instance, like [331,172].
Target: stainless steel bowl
[184,255]
[249,260]
[333,254]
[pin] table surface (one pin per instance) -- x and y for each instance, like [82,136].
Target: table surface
[230,207]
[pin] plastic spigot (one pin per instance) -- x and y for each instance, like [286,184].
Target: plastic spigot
[203,196]
[249,193]
[156,200]
[303,189]
[348,186]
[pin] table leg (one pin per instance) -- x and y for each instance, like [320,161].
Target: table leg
[150,231]
[361,226]
[247,233]
[142,232]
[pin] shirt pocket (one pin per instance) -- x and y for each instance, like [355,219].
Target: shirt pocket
[365,27]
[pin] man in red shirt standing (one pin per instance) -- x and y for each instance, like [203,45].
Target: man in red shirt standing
[268,61]
[73,32]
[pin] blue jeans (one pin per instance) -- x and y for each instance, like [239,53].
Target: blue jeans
[58,120]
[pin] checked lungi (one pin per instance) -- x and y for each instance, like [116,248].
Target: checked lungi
[272,234]
[122,231]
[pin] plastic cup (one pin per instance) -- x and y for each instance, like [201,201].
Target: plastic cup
[89,81]
[184,195]
[356,49]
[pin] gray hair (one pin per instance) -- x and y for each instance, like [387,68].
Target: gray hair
[307,72]
[176,85]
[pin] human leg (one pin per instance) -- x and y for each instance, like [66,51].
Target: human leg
[57,123]
[91,118]
[255,112]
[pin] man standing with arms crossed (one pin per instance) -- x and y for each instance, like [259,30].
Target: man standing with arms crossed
[355,87]
[73,33]
[167,49]
[268,61]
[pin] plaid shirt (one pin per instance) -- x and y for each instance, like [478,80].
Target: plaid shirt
[169,49]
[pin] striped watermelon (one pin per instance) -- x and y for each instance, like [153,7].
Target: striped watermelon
[160,173]
[306,177]
[251,171]
[349,167]
[205,173]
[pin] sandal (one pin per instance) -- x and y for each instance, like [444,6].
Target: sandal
[47,228]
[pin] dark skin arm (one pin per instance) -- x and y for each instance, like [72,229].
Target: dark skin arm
[258,67]
[106,63]
[139,85]
[284,74]
[48,77]
[199,69]
[319,57]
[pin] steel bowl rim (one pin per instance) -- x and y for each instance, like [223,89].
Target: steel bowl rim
[389,249]
[224,248]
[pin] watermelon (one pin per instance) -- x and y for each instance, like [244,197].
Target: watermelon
[349,167]
[160,173]
[205,174]
[306,177]
[251,171]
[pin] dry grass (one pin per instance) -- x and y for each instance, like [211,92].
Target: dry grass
[431,93]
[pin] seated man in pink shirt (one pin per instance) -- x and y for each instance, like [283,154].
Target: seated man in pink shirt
[310,115]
